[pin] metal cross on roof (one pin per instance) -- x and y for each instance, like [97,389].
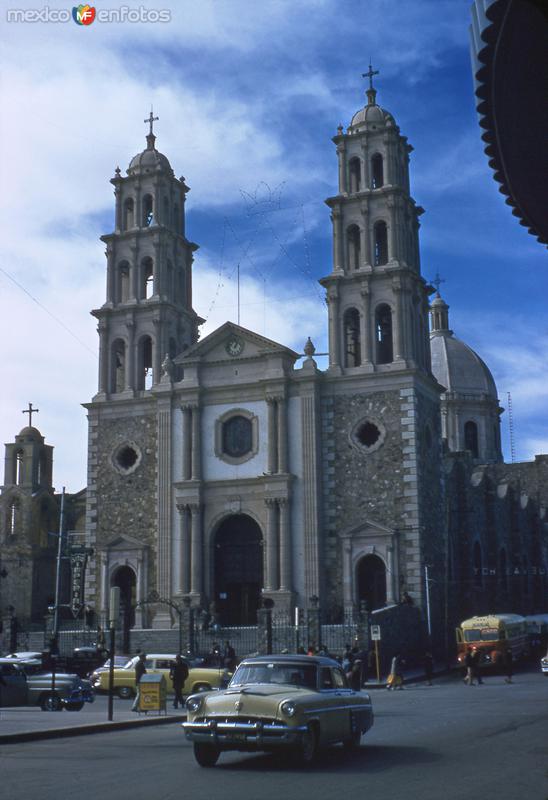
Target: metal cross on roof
[151,119]
[30,411]
[369,74]
[437,282]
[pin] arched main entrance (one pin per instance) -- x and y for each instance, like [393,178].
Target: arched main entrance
[124,577]
[371,582]
[238,570]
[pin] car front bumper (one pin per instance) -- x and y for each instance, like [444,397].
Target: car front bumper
[244,735]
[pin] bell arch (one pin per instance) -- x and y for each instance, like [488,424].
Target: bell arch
[125,578]
[371,582]
[238,569]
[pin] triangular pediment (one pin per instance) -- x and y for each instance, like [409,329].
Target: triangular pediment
[125,542]
[367,527]
[231,342]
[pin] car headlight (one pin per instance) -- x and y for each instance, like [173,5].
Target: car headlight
[194,703]
[289,708]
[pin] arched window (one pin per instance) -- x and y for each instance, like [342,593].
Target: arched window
[19,464]
[129,213]
[352,349]
[371,582]
[148,212]
[147,278]
[122,282]
[354,247]
[471,438]
[144,374]
[118,379]
[478,576]
[383,334]
[355,171]
[13,517]
[377,172]
[381,243]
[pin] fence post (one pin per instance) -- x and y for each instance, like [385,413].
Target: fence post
[264,619]
[313,621]
[187,624]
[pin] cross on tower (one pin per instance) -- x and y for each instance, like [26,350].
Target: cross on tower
[30,411]
[151,119]
[369,74]
[437,281]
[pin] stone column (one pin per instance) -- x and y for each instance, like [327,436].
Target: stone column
[334,352]
[118,212]
[342,168]
[365,160]
[111,274]
[134,288]
[282,435]
[285,546]
[156,277]
[186,411]
[398,322]
[104,585]
[390,576]
[103,356]
[182,554]
[271,580]
[348,587]
[365,292]
[196,444]
[340,263]
[392,254]
[196,577]
[157,351]
[131,355]
[272,437]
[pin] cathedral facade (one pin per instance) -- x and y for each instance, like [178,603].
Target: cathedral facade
[230,470]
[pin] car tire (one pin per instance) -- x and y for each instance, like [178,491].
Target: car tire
[125,692]
[206,755]
[74,706]
[309,746]
[51,702]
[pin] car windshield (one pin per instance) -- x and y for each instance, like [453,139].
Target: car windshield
[276,673]
[483,635]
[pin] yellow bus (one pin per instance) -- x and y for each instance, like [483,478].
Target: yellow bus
[493,635]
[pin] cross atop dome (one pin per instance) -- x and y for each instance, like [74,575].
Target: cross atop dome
[151,138]
[371,92]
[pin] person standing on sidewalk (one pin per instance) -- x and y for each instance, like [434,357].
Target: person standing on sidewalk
[477,659]
[469,664]
[428,664]
[140,670]
[178,674]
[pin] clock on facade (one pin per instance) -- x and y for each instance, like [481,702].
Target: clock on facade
[234,346]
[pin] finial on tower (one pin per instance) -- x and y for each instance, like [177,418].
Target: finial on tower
[437,282]
[371,92]
[151,119]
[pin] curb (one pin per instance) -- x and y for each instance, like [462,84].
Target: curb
[83,730]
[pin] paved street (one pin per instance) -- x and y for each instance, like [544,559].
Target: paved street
[447,741]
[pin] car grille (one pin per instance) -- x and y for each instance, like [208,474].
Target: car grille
[245,720]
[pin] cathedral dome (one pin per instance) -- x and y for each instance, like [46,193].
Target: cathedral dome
[372,114]
[458,368]
[149,160]
[30,433]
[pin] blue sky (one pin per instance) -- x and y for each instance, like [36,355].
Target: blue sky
[249,96]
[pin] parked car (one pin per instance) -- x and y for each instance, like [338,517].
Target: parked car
[200,679]
[21,685]
[119,662]
[293,702]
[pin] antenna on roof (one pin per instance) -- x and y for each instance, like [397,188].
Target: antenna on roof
[511,427]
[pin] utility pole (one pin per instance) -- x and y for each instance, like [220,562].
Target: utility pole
[55,631]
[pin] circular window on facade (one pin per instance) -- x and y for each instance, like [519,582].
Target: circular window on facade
[126,458]
[368,435]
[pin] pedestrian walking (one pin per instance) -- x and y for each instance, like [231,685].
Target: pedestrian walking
[428,664]
[140,670]
[469,665]
[395,678]
[477,662]
[509,665]
[356,675]
[178,674]
[229,657]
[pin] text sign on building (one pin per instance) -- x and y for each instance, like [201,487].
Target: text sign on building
[78,567]
[375,633]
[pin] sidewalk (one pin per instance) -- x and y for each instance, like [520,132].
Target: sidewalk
[30,723]
[413,675]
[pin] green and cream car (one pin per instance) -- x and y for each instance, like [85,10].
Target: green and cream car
[299,703]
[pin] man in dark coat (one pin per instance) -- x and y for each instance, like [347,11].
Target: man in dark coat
[178,674]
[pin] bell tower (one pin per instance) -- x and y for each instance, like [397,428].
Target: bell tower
[148,310]
[378,301]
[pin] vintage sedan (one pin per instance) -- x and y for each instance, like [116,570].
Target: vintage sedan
[200,679]
[294,702]
[24,683]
